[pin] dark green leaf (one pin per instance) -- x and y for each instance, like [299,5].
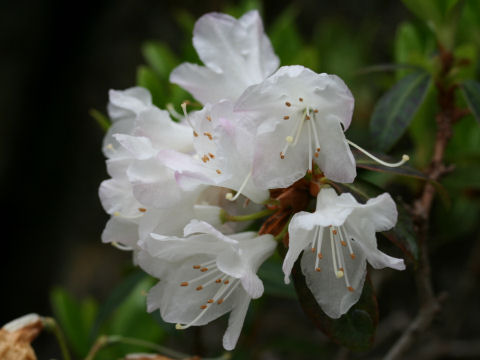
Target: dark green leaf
[160,58]
[396,108]
[101,119]
[471,91]
[75,318]
[403,234]
[355,329]
[273,279]
[147,78]
[117,296]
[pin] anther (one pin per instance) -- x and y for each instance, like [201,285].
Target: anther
[307,117]
[300,99]
[286,117]
[334,232]
[218,171]
[315,111]
[210,301]
[226,282]
[218,281]
[318,269]
[282,156]
[320,255]
[352,256]
[343,243]
[209,118]
[207,134]
[199,288]
[211,155]
[313,250]
[317,149]
[204,269]
[351,289]
[203,307]
[288,104]
[220,301]
[205,158]
[196,267]
[185,283]
[142,209]
[316,154]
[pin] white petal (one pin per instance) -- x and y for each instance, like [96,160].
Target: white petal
[111,148]
[381,210]
[116,196]
[230,263]
[202,227]
[299,238]
[121,231]
[331,292]
[128,103]
[162,131]
[139,147]
[252,284]
[235,322]
[335,157]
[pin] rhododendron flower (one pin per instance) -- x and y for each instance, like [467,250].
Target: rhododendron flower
[205,275]
[224,153]
[300,117]
[336,240]
[237,54]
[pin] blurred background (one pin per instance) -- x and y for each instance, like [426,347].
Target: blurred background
[58,61]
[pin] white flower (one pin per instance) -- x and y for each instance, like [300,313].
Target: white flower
[224,153]
[300,117]
[236,53]
[336,241]
[205,275]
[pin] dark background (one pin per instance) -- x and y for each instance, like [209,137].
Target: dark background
[58,59]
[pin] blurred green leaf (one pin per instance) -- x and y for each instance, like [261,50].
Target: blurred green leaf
[244,6]
[273,278]
[355,329]
[160,58]
[147,78]
[117,297]
[75,318]
[286,39]
[396,108]
[471,91]
[101,119]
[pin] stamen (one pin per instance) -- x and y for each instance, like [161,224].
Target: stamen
[200,287]
[204,269]
[207,134]
[344,236]
[184,108]
[309,147]
[204,308]
[142,210]
[300,127]
[405,157]
[210,301]
[196,267]
[220,301]
[337,272]
[339,257]
[173,113]
[218,171]
[121,246]
[185,283]
[342,262]
[242,187]
[211,155]
[300,99]
[286,117]
[288,104]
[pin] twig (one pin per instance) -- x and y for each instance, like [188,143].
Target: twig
[429,304]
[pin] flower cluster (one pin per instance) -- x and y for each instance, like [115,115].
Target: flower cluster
[264,143]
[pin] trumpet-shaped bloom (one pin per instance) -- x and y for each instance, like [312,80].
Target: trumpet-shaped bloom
[205,275]
[300,117]
[224,153]
[237,54]
[337,240]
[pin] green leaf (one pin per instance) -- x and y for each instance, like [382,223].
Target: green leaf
[101,119]
[471,92]
[117,296]
[403,234]
[355,329]
[159,57]
[286,39]
[273,278]
[75,318]
[147,78]
[396,108]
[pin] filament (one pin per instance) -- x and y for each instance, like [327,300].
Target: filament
[405,157]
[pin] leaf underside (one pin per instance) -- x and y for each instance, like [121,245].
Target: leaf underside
[471,91]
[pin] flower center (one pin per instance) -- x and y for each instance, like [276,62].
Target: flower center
[340,241]
[302,114]
[210,276]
